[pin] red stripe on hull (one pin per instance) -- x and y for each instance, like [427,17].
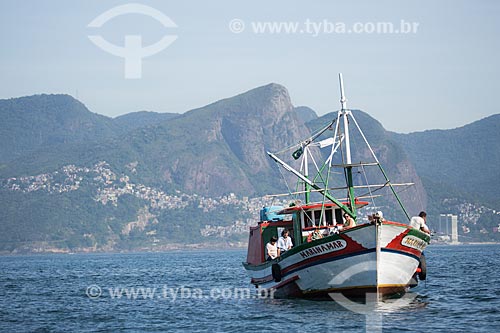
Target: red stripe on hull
[352,247]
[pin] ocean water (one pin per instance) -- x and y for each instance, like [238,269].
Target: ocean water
[205,291]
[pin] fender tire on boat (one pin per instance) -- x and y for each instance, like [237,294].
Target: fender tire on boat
[422,275]
[276,271]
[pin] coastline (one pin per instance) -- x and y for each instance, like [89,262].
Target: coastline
[174,247]
[463,243]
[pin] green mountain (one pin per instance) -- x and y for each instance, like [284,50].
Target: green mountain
[102,193]
[73,180]
[130,121]
[462,161]
[221,147]
[214,150]
[40,121]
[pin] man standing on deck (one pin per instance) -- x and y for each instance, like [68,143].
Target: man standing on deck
[418,222]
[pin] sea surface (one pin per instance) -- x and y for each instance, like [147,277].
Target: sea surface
[205,291]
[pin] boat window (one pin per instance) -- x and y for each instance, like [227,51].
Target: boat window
[308,220]
[317,218]
[329,217]
[338,216]
[325,218]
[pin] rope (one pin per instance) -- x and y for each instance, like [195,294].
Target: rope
[419,199]
[369,189]
[308,140]
[294,197]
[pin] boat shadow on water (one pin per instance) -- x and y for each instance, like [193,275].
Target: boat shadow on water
[370,303]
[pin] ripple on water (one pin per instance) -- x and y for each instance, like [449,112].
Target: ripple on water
[46,293]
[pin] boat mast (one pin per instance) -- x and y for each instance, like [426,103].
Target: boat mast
[307,187]
[345,113]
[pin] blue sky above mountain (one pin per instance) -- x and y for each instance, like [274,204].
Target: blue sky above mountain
[443,76]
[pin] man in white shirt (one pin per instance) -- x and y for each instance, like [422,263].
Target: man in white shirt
[272,249]
[418,222]
[285,242]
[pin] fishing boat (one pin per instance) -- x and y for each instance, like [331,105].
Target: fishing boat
[376,255]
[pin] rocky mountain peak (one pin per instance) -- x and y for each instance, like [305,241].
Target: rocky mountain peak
[259,120]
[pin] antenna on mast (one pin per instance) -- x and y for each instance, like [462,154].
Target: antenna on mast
[343,100]
[345,113]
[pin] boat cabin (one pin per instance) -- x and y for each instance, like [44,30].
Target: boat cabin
[305,223]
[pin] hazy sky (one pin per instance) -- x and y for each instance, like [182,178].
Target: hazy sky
[443,75]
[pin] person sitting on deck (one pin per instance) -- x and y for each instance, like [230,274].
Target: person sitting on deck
[272,250]
[419,222]
[349,221]
[284,242]
[316,234]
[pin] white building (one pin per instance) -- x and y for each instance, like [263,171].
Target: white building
[448,227]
